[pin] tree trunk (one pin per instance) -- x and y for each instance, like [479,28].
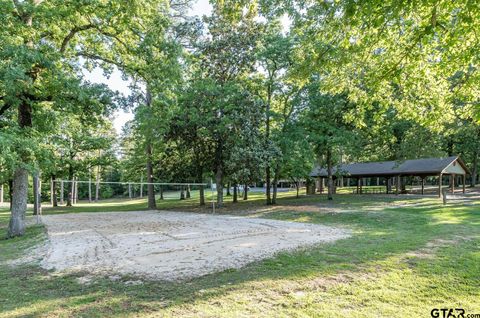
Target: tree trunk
[161,193]
[1,193]
[202,195]
[188,192]
[267,141]
[36,205]
[275,181]
[54,186]
[235,193]
[182,193]
[297,186]
[228,190]
[16,226]
[20,180]
[10,192]
[152,205]
[90,185]
[330,174]
[219,181]
[473,180]
[97,187]
[70,186]
[245,192]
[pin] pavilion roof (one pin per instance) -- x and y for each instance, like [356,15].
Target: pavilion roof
[426,166]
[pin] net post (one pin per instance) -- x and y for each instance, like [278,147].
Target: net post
[90,190]
[61,193]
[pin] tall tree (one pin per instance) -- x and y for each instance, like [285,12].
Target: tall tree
[42,45]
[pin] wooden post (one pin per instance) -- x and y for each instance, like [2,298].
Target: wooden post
[51,191]
[361,185]
[440,185]
[423,185]
[397,187]
[322,184]
[358,185]
[61,193]
[452,181]
[1,193]
[161,192]
[464,180]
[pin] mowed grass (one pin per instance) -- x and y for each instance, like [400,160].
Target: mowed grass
[407,255]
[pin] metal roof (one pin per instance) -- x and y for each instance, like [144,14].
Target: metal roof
[427,166]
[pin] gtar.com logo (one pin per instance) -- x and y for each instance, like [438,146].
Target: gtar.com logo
[448,313]
[451,313]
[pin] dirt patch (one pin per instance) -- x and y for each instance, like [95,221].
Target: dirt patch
[171,245]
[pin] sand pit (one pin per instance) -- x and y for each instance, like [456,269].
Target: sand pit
[170,245]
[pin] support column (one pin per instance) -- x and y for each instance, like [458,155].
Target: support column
[358,185]
[452,181]
[463,185]
[440,185]
[423,185]
[322,184]
[61,193]
[397,186]
[361,185]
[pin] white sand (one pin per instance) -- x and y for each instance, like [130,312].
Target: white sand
[170,245]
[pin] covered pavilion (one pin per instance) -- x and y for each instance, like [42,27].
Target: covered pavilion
[393,170]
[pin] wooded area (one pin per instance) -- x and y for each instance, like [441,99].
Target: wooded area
[238,96]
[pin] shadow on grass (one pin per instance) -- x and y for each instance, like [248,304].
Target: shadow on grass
[377,237]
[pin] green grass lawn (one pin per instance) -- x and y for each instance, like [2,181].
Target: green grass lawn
[407,255]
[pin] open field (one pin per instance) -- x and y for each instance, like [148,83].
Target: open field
[406,256]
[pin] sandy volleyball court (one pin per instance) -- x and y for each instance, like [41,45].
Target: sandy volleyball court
[171,245]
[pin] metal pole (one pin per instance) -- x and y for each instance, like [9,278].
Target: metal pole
[90,190]
[61,193]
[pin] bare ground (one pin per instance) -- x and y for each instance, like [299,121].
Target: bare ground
[170,245]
